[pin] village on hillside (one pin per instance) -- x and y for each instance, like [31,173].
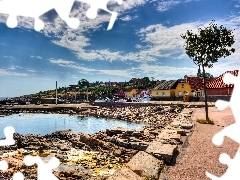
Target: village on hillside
[188,89]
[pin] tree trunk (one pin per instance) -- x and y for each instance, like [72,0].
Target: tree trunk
[205,93]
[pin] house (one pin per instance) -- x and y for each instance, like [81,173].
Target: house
[192,87]
[91,85]
[119,94]
[129,93]
[218,89]
[146,92]
[121,83]
[114,84]
[164,90]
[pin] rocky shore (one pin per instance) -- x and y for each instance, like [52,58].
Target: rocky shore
[111,154]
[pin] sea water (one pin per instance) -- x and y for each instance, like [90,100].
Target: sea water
[48,123]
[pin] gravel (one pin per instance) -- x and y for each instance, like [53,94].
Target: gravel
[201,154]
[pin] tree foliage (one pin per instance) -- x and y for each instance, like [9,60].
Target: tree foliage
[83,83]
[210,44]
[207,75]
[205,48]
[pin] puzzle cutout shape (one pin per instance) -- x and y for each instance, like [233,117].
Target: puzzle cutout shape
[231,131]
[44,169]
[8,132]
[36,8]
[233,172]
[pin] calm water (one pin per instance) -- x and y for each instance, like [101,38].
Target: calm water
[48,123]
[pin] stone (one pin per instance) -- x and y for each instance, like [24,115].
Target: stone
[125,174]
[178,129]
[187,125]
[166,135]
[144,164]
[183,124]
[115,131]
[162,151]
[117,152]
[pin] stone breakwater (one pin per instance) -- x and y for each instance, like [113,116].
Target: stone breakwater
[114,153]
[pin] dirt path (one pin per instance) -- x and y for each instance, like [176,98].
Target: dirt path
[201,154]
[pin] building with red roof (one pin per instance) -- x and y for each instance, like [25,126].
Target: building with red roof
[192,87]
[217,87]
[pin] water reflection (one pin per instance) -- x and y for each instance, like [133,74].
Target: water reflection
[47,123]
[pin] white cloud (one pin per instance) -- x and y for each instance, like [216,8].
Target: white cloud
[38,57]
[75,40]
[128,18]
[122,73]
[138,46]
[84,70]
[165,5]
[45,79]
[74,77]
[164,41]
[11,57]
[12,68]
[31,70]
[70,64]
[161,41]
[164,72]
[150,70]
[4,72]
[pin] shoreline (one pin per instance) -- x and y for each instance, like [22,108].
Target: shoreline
[158,142]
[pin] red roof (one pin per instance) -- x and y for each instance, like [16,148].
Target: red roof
[196,83]
[218,82]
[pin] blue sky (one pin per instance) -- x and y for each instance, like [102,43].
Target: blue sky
[144,41]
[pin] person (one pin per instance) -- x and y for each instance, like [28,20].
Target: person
[184,98]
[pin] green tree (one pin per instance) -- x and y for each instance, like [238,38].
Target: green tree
[207,75]
[83,83]
[206,47]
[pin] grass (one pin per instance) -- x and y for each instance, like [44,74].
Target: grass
[161,165]
[204,121]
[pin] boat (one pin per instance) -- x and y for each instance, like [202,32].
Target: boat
[100,100]
[145,98]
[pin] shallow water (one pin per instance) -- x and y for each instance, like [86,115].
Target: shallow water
[48,123]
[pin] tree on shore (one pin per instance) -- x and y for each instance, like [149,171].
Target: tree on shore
[207,75]
[206,47]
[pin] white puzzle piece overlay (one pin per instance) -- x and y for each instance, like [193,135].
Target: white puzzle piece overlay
[44,169]
[232,131]
[36,8]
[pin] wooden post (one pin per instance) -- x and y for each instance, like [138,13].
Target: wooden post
[56,92]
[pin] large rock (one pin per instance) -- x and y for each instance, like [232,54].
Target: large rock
[182,123]
[162,151]
[145,165]
[178,129]
[169,135]
[115,131]
[125,174]
[141,146]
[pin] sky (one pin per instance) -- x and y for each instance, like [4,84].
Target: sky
[144,42]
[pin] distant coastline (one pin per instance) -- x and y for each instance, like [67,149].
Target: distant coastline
[2,98]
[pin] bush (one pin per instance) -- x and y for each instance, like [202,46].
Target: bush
[204,121]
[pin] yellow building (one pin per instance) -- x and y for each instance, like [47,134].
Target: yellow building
[165,90]
[183,88]
[129,93]
[191,87]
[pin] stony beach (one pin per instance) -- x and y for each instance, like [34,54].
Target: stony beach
[109,154]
